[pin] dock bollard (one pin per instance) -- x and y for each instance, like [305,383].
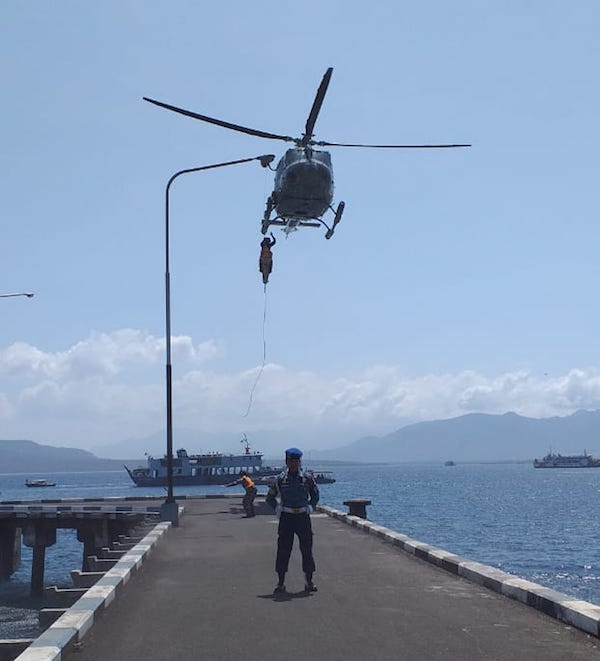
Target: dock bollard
[357,507]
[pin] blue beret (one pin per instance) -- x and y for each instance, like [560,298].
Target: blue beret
[293,452]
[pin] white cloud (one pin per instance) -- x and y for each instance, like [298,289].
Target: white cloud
[102,354]
[110,386]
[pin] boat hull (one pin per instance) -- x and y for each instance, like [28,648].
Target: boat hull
[190,480]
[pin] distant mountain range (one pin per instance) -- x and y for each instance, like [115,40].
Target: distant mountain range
[478,437]
[29,457]
[473,437]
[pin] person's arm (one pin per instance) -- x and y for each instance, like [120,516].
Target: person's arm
[313,491]
[271,498]
[232,484]
[274,241]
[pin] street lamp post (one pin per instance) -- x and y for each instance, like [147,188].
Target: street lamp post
[24,293]
[169,509]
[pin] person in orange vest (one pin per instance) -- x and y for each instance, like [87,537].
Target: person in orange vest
[249,496]
[265,261]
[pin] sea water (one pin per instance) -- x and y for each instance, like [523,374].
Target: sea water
[539,524]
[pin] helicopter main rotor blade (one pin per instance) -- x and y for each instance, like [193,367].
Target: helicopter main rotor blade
[323,143]
[316,107]
[220,122]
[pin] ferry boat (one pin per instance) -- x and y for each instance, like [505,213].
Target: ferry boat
[196,469]
[552,460]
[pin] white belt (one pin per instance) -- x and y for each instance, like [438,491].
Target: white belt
[295,510]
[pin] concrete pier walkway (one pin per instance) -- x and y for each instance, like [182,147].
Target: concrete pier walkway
[205,592]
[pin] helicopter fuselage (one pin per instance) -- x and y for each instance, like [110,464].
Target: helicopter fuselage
[303,186]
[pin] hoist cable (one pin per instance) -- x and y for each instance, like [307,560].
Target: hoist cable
[262,367]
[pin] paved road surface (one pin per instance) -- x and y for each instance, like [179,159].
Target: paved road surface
[205,592]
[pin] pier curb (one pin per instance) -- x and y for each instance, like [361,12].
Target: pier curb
[70,627]
[576,612]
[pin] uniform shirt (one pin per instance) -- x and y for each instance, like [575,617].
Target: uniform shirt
[247,482]
[295,490]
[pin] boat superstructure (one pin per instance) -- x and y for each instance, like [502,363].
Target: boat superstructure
[206,468]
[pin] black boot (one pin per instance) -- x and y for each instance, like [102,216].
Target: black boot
[280,587]
[309,586]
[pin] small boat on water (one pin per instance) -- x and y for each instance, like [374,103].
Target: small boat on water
[323,477]
[39,483]
[449,463]
[552,460]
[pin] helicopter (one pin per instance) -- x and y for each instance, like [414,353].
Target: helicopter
[303,187]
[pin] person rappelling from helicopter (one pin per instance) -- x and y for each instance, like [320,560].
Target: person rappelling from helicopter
[265,261]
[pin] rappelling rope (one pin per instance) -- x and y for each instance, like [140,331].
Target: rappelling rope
[262,367]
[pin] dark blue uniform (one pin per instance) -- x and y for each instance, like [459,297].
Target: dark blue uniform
[296,491]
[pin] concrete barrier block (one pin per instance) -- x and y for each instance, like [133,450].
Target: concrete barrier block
[581,614]
[87,603]
[397,539]
[378,531]
[79,620]
[124,567]
[545,600]
[40,653]
[444,559]
[104,592]
[518,589]
[417,549]
[489,577]
[110,579]
[54,638]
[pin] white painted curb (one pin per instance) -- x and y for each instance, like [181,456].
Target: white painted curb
[581,614]
[72,626]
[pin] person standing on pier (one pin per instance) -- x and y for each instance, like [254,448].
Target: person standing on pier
[249,496]
[298,495]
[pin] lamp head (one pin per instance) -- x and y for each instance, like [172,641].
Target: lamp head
[266,159]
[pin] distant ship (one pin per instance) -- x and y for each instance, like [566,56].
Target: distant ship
[39,483]
[552,460]
[207,468]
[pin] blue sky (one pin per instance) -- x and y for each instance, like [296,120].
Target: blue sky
[457,281]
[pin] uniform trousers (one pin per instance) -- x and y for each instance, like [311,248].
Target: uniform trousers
[248,501]
[290,525]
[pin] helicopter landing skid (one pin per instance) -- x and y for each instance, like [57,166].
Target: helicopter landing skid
[338,216]
[280,222]
[292,224]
